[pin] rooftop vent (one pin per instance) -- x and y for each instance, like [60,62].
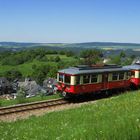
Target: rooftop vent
[89,67]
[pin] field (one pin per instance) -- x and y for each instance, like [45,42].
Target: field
[116,118]
[26,68]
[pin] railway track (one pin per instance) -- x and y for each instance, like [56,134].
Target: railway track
[45,104]
[32,106]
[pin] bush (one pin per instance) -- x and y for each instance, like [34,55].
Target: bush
[40,73]
[21,96]
[13,74]
[57,59]
[91,56]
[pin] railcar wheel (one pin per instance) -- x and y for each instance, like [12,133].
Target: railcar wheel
[133,86]
[65,95]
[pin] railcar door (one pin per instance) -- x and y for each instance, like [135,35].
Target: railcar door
[105,81]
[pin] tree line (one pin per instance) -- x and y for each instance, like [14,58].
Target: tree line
[43,71]
[17,58]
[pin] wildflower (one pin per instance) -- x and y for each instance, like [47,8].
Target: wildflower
[137,120]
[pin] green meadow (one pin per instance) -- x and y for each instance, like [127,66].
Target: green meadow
[115,118]
[26,68]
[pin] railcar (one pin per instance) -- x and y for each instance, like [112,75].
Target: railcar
[92,79]
[135,75]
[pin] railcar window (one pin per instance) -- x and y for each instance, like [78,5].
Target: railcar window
[77,80]
[86,79]
[114,76]
[94,78]
[129,75]
[61,77]
[132,74]
[121,76]
[67,79]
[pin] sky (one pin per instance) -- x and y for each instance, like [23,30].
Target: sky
[70,21]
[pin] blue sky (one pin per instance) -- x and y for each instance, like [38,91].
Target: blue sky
[70,20]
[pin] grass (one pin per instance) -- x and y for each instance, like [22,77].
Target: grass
[26,68]
[116,118]
[4,102]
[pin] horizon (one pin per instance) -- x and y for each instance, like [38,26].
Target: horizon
[69,42]
[70,22]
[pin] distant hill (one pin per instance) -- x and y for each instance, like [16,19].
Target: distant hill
[26,44]
[108,44]
[85,45]
[104,45]
[17,44]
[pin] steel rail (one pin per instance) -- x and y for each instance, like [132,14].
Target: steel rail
[32,106]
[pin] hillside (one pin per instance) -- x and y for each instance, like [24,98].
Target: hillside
[108,48]
[27,68]
[107,119]
[99,45]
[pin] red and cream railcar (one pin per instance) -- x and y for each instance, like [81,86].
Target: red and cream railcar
[88,79]
[135,75]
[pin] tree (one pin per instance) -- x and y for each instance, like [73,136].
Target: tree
[13,74]
[69,53]
[57,59]
[62,52]
[127,61]
[91,56]
[40,73]
[133,57]
[53,72]
[122,54]
[116,60]
[34,66]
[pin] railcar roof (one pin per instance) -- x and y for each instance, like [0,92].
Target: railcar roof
[76,71]
[133,67]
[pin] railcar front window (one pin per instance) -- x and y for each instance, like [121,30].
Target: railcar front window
[86,79]
[67,79]
[61,77]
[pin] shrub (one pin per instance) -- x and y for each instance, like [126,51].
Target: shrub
[13,74]
[21,96]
